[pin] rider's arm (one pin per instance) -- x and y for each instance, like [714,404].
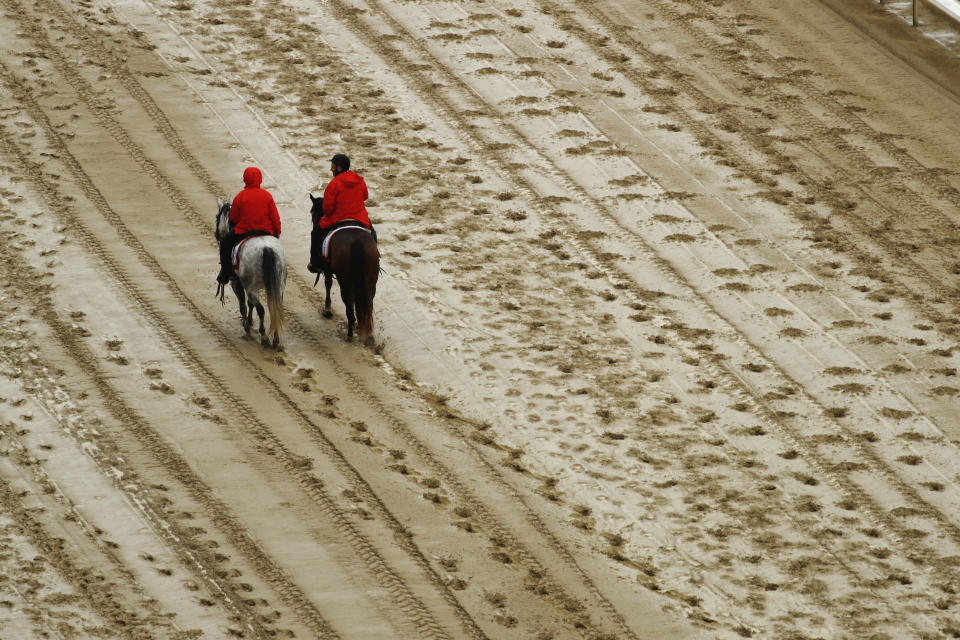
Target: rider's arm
[236,210]
[274,218]
[330,197]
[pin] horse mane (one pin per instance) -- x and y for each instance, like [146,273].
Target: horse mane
[224,210]
[316,209]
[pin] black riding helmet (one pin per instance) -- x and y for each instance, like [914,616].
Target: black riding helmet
[342,161]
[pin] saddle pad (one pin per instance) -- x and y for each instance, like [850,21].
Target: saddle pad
[235,254]
[326,241]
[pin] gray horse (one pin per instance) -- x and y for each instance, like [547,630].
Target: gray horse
[263,265]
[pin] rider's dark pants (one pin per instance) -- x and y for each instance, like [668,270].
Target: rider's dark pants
[318,235]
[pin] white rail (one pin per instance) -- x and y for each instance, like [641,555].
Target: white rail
[950,8]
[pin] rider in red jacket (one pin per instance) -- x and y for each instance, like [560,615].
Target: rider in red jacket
[343,205]
[252,213]
[344,197]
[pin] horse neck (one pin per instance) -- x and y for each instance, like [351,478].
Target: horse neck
[223,224]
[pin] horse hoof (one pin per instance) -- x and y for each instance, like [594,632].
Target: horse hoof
[369,341]
[327,313]
[264,342]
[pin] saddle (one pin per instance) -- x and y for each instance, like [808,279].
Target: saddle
[325,248]
[235,253]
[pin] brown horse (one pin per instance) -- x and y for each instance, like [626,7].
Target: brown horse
[355,262]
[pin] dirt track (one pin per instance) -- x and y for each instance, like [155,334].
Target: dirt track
[667,338]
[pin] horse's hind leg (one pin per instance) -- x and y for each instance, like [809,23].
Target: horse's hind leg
[248,320]
[346,294]
[253,302]
[242,301]
[367,329]
[260,313]
[327,282]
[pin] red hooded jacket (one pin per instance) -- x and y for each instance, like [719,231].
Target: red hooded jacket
[253,209]
[343,200]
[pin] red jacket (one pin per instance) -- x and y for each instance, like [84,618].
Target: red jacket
[343,200]
[253,209]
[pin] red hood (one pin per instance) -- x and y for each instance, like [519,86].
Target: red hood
[252,177]
[349,179]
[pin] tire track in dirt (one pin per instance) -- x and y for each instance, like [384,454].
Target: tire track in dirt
[678,77]
[598,44]
[708,138]
[89,583]
[482,512]
[102,598]
[614,57]
[58,505]
[23,589]
[739,383]
[906,198]
[863,224]
[924,175]
[600,210]
[49,417]
[32,444]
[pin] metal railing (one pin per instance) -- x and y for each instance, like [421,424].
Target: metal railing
[950,8]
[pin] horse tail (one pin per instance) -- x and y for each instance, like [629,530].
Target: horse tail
[361,300]
[274,287]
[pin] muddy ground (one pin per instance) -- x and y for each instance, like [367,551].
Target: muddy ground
[666,341]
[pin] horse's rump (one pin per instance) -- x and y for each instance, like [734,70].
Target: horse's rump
[252,256]
[235,252]
[355,261]
[340,250]
[263,265]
